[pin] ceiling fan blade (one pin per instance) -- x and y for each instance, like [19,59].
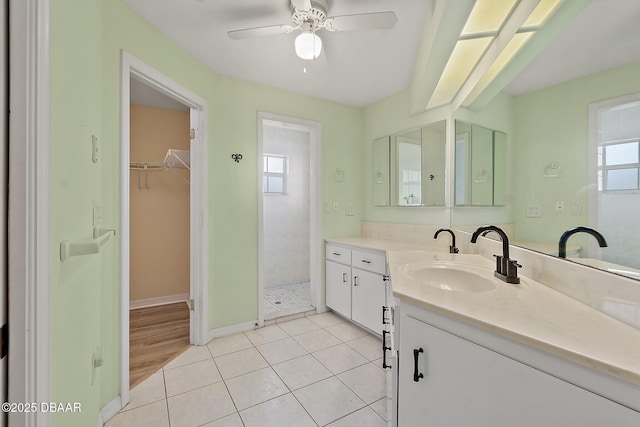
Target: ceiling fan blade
[363,21]
[260,31]
[301,4]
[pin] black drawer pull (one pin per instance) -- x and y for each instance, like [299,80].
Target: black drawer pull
[416,375]
[384,350]
[366,261]
[337,253]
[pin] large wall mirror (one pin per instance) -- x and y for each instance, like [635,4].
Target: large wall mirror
[409,167]
[480,165]
[574,143]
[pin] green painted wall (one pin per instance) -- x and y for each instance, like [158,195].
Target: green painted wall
[86,40]
[552,124]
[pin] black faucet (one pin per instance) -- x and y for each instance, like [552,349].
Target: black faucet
[452,248]
[562,245]
[506,268]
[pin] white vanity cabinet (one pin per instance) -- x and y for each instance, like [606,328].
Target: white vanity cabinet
[355,285]
[446,380]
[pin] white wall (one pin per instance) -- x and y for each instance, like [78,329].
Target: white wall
[286,217]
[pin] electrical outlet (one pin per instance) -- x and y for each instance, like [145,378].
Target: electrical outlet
[336,206]
[534,211]
[339,175]
[327,207]
[349,210]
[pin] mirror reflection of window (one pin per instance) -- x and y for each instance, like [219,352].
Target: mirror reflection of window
[618,175]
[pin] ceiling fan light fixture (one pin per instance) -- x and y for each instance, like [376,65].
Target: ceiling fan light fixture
[308,45]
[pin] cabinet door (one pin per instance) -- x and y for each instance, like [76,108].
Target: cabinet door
[338,288]
[464,384]
[367,299]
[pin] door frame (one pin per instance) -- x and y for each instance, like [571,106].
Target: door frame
[315,241]
[133,67]
[29,258]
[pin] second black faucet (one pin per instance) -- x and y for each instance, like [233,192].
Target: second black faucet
[506,268]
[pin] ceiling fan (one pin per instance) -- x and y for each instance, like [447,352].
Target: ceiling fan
[309,16]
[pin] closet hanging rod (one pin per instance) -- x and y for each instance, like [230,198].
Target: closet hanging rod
[146,166]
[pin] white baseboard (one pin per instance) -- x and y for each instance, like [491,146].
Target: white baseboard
[152,302]
[232,329]
[108,411]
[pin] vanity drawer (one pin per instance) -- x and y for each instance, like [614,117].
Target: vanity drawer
[338,254]
[371,261]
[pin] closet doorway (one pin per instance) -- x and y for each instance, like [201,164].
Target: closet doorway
[163,221]
[289,226]
[159,230]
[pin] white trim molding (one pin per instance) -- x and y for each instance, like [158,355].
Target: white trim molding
[29,210]
[156,301]
[232,329]
[132,67]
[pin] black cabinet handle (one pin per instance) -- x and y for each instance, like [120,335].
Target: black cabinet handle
[384,349]
[366,261]
[385,321]
[416,375]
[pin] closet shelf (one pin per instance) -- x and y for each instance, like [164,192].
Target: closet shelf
[100,237]
[174,159]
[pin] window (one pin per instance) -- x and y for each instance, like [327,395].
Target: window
[619,166]
[275,174]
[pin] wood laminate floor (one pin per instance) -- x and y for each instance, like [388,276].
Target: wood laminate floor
[156,336]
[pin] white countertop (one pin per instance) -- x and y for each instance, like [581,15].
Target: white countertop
[530,313]
[384,245]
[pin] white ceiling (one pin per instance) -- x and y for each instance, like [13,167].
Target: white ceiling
[366,66]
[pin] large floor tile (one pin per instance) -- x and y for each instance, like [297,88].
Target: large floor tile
[363,417]
[301,372]
[148,391]
[340,358]
[328,400]
[255,387]
[240,362]
[298,326]
[367,381]
[283,411]
[266,335]
[317,340]
[195,353]
[326,319]
[380,407]
[229,344]
[154,414]
[347,331]
[192,376]
[281,351]
[200,406]
[369,346]
[232,420]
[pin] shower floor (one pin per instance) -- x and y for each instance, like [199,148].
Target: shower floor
[288,299]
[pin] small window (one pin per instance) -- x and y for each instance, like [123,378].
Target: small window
[275,174]
[619,164]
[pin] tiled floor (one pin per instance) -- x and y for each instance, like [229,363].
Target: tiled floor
[312,371]
[287,299]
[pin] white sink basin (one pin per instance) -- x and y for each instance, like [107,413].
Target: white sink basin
[452,277]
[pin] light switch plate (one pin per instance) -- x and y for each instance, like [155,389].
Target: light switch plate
[97,213]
